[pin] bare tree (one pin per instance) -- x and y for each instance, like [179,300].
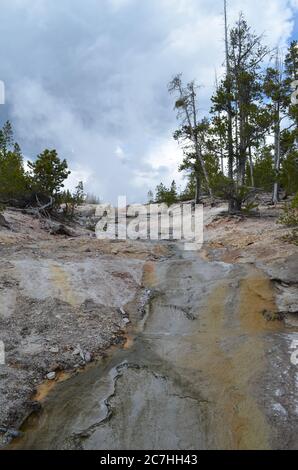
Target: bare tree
[187,107]
[229,113]
[277,129]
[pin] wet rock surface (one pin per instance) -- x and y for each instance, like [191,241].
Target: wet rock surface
[206,363]
[202,370]
[55,298]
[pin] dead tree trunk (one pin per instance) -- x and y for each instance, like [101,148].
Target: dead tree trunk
[232,207]
[275,195]
[198,188]
[251,167]
[199,156]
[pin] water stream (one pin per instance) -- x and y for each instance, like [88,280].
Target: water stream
[196,373]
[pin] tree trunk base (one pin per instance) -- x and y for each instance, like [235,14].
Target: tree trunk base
[234,207]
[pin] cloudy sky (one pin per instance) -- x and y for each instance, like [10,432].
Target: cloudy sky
[89,78]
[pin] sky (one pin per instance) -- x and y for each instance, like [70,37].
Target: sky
[90,79]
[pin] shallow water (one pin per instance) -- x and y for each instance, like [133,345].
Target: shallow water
[197,372]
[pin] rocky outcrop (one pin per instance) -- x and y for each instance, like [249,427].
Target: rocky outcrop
[3,222]
[284,273]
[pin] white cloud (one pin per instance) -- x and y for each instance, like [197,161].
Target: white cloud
[90,79]
[164,159]
[120,152]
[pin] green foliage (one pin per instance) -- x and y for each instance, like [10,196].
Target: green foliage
[13,179]
[166,195]
[221,185]
[250,105]
[150,197]
[180,103]
[79,195]
[48,173]
[289,173]
[249,207]
[290,214]
[264,174]
[240,116]
[6,137]
[189,193]
[69,200]
[92,199]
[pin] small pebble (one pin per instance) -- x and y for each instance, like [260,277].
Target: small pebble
[51,375]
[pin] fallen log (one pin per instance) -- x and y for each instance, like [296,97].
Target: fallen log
[60,229]
[56,228]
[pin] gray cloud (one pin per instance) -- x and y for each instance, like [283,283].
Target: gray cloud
[89,78]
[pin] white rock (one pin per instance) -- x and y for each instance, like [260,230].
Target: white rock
[88,357]
[51,375]
[78,352]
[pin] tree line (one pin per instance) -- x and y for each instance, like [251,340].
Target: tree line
[248,141]
[41,182]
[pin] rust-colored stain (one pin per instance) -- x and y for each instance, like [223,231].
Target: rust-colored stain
[46,387]
[237,420]
[149,274]
[256,296]
[61,280]
[129,341]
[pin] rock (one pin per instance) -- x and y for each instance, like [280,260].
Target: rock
[284,270]
[126,321]
[76,352]
[273,316]
[3,222]
[82,355]
[54,350]
[291,320]
[56,228]
[88,210]
[122,311]
[11,432]
[88,357]
[51,376]
[79,352]
[287,298]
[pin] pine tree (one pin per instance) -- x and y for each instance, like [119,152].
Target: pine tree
[6,137]
[13,180]
[278,94]
[238,107]
[150,197]
[49,173]
[277,88]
